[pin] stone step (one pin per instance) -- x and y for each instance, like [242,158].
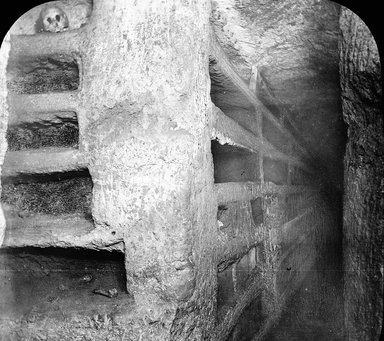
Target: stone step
[43,44]
[70,230]
[43,161]
[21,106]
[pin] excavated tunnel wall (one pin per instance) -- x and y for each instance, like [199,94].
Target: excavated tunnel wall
[196,214]
[361,83]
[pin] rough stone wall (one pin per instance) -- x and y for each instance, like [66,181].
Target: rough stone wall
[298,234]
[144,129]
[144,126]
[147,95]
[3,117]
[293,43]
[264,261]
[360,73]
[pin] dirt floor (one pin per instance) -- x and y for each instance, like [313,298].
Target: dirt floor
[46,288]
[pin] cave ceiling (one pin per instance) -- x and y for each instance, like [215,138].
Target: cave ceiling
[294,45]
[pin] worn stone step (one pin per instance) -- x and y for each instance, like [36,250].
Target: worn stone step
[23,105]
[41,230]
[43,161]
[68,42]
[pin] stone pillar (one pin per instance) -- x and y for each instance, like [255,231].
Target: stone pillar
[145,94]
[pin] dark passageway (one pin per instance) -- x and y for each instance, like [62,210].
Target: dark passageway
[292,50]
[308,62]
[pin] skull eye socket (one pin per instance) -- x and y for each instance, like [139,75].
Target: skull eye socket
[57,17]
[49,20]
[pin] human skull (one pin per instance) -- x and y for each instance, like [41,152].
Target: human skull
[54,19]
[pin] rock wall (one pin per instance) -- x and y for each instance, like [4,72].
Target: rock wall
[143,132]
[195,268]
[147,104]
[4,53]
[360,73]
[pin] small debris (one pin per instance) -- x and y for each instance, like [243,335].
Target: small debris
[107,293]
[40,336]
[50,299]
[63,287]
[46,272]
[23,214]
[86,279]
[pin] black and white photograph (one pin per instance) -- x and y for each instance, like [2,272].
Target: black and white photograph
[191,170]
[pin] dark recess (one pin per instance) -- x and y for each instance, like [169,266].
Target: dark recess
[55,194]
[60,131]
[36,75]
[233,164]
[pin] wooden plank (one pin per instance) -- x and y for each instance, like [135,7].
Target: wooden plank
[227,68]
[246,191]
[228,131]
[41,161]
